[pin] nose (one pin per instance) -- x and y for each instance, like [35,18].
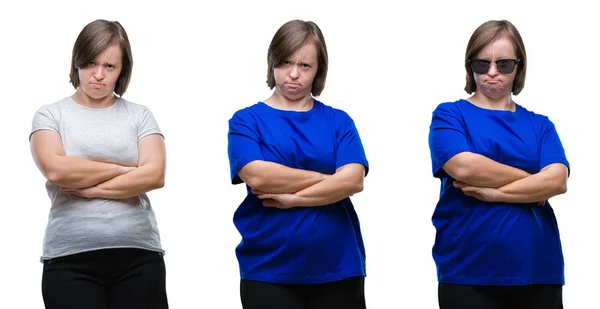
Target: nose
[493,70]
[294,72]
[99,72]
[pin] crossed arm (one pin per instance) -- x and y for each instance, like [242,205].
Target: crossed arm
[490,181]
[93,179]
[284,187]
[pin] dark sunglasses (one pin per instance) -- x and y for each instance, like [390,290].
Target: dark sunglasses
[505,66]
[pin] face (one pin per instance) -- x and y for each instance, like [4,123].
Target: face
[494,83]
[294,77]
[98,78]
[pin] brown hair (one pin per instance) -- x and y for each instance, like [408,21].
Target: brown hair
[93,40]
[486,34]
[289,38]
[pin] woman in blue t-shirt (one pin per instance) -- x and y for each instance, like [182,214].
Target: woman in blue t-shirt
[301,161]
[497,242]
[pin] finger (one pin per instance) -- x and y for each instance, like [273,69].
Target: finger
[459,184]
[468,189]
[265,196]
[269,203]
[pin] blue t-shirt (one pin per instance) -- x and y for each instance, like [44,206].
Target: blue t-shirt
[481,243]
[303,245]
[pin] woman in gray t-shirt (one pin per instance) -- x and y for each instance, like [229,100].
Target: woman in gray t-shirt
[100,155]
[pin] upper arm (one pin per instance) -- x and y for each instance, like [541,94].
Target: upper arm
[45,141]
[352,175]
[151,150]
[551,149]
[356,170]
[46,146]
[151,145]
[447,139]
[349,148]
[243,146]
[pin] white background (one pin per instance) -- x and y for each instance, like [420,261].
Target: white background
[196,64]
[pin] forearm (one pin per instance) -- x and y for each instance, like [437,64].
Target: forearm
[74,172]
[134,183]
[339,186]
[478,170]
[277,178]
[538,187]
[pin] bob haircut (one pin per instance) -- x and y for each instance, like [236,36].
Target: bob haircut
[93,40]
[287,40]
[485,34]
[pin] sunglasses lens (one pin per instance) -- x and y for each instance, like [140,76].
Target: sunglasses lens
[480,66]
[505,66]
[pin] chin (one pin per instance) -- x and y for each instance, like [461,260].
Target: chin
[496,93]
[96,96]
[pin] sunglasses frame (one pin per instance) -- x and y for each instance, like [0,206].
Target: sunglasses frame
[516,62]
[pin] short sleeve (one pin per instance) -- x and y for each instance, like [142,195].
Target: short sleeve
[552,150]
[148,124]
[447,137]
[349,145]
[243,143]
[46,117]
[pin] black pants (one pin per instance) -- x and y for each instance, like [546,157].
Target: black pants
[539,296]
[101,279]
[344,294]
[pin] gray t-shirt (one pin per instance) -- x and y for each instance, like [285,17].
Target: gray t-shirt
[111,134]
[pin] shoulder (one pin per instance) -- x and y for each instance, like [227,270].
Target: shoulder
[53,108]
[135,107]
[535,118]
[337,115]
[449,107]
[246,114]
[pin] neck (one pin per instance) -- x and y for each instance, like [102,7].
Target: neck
[83,99]
[494,103]
[279,101]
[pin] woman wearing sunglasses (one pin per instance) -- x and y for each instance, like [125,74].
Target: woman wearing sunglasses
[100,155]
[301,161]
[497,242]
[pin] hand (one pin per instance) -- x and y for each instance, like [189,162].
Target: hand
[82,192]
[281,201]
[480,193]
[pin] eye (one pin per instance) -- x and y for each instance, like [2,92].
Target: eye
[305,65]
[110,66]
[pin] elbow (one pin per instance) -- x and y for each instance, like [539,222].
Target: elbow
[256,182]
[460,167]
[560,183]
[159,181]
[463,173]
[561,188]
[356,187]
[54,177]
[359,187]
